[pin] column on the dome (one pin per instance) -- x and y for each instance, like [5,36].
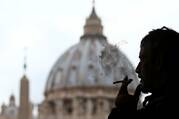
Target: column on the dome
[75,108]
[59,109]
[89,108]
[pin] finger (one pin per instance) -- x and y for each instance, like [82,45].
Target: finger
[129,81]
[123,89]
[126,81]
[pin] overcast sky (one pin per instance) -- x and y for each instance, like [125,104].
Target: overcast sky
[49,27]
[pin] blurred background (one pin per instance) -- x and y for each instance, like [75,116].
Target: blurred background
[49,37]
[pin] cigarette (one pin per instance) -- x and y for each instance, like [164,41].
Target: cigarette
[119,82]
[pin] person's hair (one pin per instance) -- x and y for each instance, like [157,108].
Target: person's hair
[163,44]
[161,36]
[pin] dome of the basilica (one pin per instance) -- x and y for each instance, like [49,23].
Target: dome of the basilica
[81,65]
[80,83]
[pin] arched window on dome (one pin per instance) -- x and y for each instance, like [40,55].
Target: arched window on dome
[73,75]
[82,106]
[94,106]
[57,77]
[91,74]
[51,107]
[67,105]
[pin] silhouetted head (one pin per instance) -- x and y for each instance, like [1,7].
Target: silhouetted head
[159,60]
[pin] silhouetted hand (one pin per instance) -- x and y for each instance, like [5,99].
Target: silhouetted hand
[125,101]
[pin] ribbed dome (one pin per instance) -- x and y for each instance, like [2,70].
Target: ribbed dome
[80,65]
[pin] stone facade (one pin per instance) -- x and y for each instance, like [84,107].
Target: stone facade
[78,103]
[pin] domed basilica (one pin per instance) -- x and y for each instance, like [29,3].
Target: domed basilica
[78,85]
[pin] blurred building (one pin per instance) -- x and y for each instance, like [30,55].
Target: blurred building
[24,110]
[78,86]
[9,111]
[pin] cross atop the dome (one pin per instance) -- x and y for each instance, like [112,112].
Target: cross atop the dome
[25,59]
[93,3]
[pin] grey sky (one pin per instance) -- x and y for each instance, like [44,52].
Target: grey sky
[49,27]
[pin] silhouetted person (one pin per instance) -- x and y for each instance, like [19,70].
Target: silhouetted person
[158,71]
